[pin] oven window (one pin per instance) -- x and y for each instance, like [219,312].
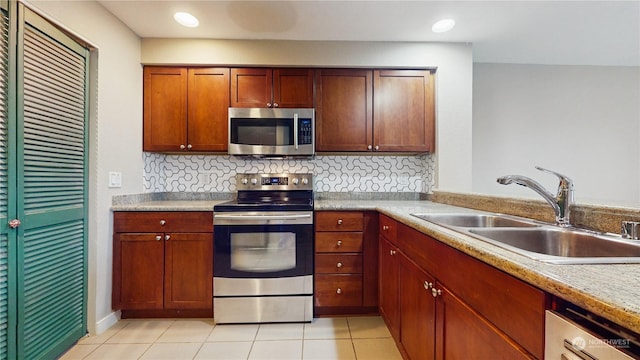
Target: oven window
[263,252]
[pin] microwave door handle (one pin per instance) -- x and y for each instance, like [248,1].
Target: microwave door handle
[295,130]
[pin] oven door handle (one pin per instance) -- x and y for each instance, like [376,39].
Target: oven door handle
[262,217]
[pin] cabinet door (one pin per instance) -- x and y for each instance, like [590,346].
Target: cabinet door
[251,87]
[165,108]
[417,311]
[188,271]
[389,289]
[404,110]
[462,333]
[344,110]
[208,109]
[293,88]
[141,270]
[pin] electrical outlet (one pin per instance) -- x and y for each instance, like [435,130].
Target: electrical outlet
[115,179]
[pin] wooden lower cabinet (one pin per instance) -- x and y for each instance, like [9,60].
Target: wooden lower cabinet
[462,333]
[440,303]
[166,273]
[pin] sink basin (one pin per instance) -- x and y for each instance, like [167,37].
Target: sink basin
[474,220]
[563,246]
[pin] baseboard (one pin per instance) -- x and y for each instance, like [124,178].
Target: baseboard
[106,322]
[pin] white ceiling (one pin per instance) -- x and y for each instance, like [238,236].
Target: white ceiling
[535,32]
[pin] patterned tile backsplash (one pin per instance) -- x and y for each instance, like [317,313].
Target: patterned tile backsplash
[206,173]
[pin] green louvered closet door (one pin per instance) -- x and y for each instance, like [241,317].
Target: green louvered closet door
[51,188]
[5,346]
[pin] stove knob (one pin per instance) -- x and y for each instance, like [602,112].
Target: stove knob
[254,181]
[245,181]
[305,181]
[295,181]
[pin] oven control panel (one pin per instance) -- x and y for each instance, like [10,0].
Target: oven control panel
[266,182]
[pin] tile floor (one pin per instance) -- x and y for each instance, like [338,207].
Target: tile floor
[344,338]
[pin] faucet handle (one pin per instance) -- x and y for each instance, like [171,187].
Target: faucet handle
[565,181]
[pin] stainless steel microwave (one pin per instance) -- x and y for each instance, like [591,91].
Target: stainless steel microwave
[271,132]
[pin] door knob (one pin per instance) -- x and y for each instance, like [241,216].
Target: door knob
[14,223]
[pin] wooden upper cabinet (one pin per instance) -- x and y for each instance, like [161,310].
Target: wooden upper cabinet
[165,108]
[271,88]
[344,116]
[208,109]
[185,109]
[404,110]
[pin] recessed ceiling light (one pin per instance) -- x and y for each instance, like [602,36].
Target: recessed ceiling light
[186,19]
[443,25]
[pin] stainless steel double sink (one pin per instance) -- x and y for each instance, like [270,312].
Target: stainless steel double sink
[540,241]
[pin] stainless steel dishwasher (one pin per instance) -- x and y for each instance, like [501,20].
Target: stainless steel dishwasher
[572,333]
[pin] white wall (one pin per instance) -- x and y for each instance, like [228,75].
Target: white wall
[582,121]
[116,133]
[453,79]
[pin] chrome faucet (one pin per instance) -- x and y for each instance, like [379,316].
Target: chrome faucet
[561,202]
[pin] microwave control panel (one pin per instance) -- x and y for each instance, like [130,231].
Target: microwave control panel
[305,132]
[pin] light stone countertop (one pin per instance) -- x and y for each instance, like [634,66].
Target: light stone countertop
[611,291]
[168,205]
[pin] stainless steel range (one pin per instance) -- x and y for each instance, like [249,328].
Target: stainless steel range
[263,258]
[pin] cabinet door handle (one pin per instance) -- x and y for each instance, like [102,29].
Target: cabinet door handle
[377,148]
[339,265]
[428,285]
[182,146]
[275,105]
[392,252]
[158,237]
[189,147]
[339,243]
[163,222]
[369,147]
[269,105]
[436,292]
[167,237]
[339,291]
[339,221]
[385,227]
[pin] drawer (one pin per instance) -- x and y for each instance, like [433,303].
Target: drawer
[338,290]
[338,264]
[388,228]
[338,242]
[339,221]
[162,221]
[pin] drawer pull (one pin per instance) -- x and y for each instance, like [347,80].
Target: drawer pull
[339,265]
[385,227]
[339,221]
[163,222]
[392,252]
[339,243]
[339,291]
[167,237]
[158,237]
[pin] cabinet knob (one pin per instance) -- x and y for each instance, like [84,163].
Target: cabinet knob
[436,292]
[158,237]
[189,147]
[269,105]
[339,265]
[428,285]
[377,148]
[369,147]
[339,221]
[275,105]
[339,243]
[339,291]
[167,237]
[163,222]
[392,252]
[385,227]
[182,146]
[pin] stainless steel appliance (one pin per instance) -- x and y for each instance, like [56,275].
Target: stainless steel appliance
[263,258]
[575,334]
[271,132]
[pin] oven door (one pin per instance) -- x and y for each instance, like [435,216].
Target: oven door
[258,251]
